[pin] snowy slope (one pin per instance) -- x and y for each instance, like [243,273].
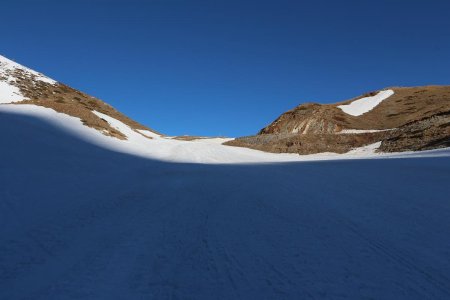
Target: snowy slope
[171,150]
[81,220]
[202,151]
[363,105]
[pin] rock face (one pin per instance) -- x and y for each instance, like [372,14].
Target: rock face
[32,87]
[405,119]
[425,134]
[308,118]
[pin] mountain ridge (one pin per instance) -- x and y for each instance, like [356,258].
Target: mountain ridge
[312,127]
[399,118]
[37,89]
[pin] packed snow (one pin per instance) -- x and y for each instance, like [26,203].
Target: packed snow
[363,105]
[7,66]
[82,218]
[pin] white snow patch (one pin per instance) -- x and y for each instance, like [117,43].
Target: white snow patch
[363,105]
[148,133]
[10,93]
[356,131]
[7,66]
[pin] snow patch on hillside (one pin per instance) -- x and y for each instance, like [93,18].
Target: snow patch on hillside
[363,105]
[148,133]
[10,93]
[357,131]
[8,66]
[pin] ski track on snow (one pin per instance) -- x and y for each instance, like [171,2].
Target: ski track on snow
[80,220]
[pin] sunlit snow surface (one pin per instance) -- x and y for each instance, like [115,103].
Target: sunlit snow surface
[363,105]
[82,217]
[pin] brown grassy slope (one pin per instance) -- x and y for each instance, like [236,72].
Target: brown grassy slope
[65,99]
[406,105]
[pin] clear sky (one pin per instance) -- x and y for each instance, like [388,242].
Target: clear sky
[227,67]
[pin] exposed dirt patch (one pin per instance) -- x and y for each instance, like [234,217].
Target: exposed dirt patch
[188,138]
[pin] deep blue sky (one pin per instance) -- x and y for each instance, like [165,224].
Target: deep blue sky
[227,67]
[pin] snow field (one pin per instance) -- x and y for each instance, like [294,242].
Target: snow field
[83,218]
[366,104]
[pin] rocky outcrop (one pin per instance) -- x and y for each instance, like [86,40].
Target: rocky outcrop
[310,118]
[306,143]
[425,134]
